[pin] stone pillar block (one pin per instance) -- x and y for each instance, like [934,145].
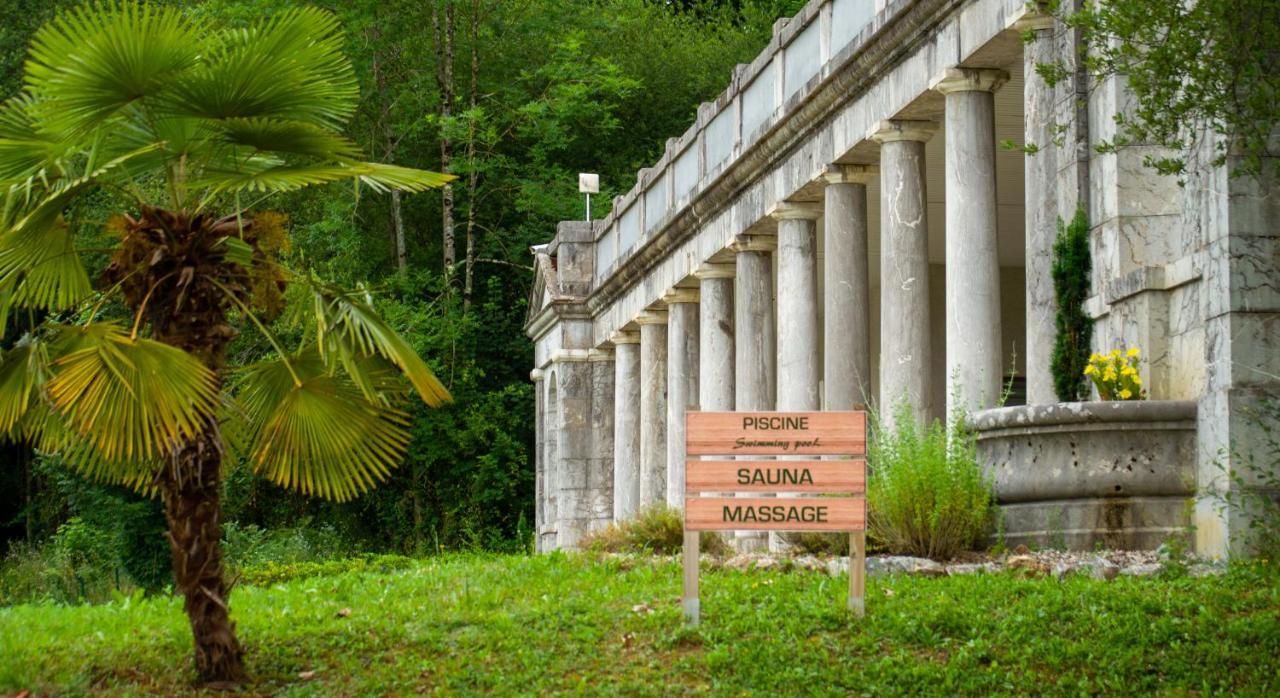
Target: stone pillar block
[653,407]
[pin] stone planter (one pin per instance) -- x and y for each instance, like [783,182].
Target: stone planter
[1082,474]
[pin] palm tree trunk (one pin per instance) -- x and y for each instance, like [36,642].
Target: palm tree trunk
[191,486]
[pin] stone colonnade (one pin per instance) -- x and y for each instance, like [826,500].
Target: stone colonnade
[749,331]
[726,339]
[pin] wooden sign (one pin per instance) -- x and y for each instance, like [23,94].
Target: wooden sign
[775,513]
[830,476]
[790,435]
[776,433]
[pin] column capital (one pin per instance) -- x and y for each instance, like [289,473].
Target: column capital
[716,271]
[680,295]
[796,210]
[850,174]
[891,130]
[624,337]
[754,243]
[968,80]
[652,317]
[536,375]
[600,354]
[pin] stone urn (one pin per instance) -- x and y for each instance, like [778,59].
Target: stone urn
[1082,474]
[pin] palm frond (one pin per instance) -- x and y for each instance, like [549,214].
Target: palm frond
[132,399]
[290,66]
[272,174]
[49,433]
[39,268]
[343,316]
[285,136]
[92,61]
[384,177]
[24,369]
[317,434]
[25,152]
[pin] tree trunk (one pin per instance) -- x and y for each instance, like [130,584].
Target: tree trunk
[468,283]
[189,311]
[190,484]
[397,224]
[443,33]
[383,128]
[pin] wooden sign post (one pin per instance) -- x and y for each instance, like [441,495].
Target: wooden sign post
[796,436]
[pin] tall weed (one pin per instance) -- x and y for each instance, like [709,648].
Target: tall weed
[926,494]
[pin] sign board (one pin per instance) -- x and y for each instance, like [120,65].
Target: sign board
[776,433]
[809,494]
[775,514]
[775,476]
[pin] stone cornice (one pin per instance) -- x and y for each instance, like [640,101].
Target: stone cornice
[624,337]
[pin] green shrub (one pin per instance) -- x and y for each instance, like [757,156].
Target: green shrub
[1071,268]
[249,545]
[657,530]
[926,494]
[80,563]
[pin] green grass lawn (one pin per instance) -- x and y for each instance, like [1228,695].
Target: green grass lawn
[531,625]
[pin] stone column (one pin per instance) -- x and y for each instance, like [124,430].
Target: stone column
[846,371]
[1040,173]
[974,354]
[539,459]
[798,367]
[599,503]
[715,336]
[626,425]
[653,407]
[755,367]
[682,382]
[905,345]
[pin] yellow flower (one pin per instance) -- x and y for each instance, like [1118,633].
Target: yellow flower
[1095,356]
[1137,380]
[1133,352]
[1126,394]
[1115,353]
[1090,370]
[1110,375]
[1128,371]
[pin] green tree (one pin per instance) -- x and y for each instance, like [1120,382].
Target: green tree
[187,128]
[1209,64]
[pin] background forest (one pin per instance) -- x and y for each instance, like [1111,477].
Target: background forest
[515,97]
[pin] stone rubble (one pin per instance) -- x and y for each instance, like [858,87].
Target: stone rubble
[1103,565]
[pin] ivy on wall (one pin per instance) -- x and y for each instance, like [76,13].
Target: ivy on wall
[1071,269]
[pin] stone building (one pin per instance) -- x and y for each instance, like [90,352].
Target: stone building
[840,227]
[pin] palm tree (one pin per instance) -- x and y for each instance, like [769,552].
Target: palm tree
[190,126]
